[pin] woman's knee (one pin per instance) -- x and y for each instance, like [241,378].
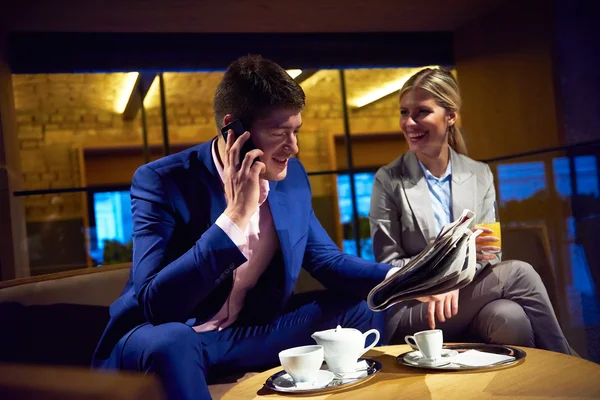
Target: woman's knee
[504,322]
[520,272]
[524,268]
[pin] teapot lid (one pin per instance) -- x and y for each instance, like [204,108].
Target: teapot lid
[337,333]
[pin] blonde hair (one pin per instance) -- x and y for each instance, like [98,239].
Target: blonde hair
[444,89]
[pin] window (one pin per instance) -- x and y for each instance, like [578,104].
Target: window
[110,226]
[363,185]
[520,181]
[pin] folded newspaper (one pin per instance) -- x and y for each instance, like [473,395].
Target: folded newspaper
[447,263]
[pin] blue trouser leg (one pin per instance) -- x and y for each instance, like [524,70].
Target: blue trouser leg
[173,352]
[244,348]
[183,359]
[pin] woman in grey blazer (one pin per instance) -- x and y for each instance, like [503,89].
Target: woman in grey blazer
[425,188]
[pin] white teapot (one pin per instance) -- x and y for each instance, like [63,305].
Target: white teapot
[343,347]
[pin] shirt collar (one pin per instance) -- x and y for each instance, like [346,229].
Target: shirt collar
[430,176]
[264,184]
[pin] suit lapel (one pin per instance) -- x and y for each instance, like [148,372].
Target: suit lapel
[282,219]
[214,182]
[417,192]
[464,186]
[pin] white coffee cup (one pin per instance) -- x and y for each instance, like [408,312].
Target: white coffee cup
[429,343]
[302,363]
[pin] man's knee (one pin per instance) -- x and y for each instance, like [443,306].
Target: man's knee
[372,319]
[504,322]
[361,308]
[357,314]
[167,344]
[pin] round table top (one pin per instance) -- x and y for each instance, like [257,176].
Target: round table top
[541,375]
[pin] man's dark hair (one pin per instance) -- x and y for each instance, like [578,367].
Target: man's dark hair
[252,87]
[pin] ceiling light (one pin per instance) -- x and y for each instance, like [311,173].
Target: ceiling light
[385,89]
[127,86]
[294,72]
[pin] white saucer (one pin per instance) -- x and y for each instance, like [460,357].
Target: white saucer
[416,358]
[285,383]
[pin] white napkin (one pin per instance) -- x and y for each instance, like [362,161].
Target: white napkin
[475,358]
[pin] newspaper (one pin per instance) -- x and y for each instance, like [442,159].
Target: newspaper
[447,263]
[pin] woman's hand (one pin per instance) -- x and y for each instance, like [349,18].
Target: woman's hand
[442,305]
[485,244]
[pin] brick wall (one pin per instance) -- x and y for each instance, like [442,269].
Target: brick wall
[51,155]
[60,114]
[323,119]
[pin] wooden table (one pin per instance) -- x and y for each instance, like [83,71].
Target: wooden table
[542,375]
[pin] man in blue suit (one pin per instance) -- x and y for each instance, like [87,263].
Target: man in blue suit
[218,246]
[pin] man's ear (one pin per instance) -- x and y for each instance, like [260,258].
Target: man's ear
[227,119]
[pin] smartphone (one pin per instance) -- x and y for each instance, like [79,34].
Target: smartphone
[238,129]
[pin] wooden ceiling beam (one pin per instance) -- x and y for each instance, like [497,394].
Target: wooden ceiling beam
[138,93]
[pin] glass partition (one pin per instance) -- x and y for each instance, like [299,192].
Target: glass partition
[555,196]
[82,136]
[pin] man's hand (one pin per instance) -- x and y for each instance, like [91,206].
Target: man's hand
[442,305]
[485,244]
[241,182]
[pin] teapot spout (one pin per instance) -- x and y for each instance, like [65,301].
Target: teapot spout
[329,334]
[317,337]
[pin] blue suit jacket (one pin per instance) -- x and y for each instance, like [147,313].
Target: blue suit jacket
[183,263]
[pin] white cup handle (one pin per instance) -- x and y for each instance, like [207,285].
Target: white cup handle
[369,347]
[408,339]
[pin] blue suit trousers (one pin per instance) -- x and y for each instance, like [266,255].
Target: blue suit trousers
[186,360]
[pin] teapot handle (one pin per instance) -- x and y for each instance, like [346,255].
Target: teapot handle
[369,347]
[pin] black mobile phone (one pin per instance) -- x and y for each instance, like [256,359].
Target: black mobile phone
[239,129]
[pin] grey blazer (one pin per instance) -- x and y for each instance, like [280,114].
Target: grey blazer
[401,215]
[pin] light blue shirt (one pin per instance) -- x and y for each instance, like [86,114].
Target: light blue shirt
[440,192]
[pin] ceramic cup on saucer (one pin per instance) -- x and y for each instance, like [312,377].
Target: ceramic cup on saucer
[429,343]
[302,363]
